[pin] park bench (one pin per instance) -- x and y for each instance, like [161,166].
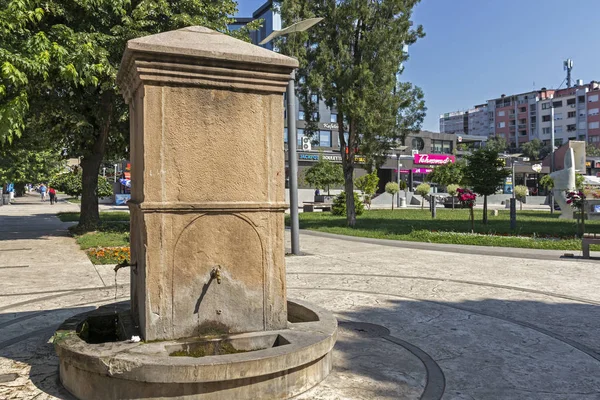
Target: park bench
[589,238]
[310,206]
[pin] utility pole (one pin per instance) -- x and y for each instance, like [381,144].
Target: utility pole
[568,66]
[551,153]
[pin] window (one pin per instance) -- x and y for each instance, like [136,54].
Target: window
[333,118]
[558,129]
[546,131]
[314,98]
[315,116]
[594,125]
[302,80]
[571,102]
[501,124]
[501,113]
[571,114]
[441,146]
[571,128]
[301,115]
[545,118]
[546,106]
[522,109]
[300,136]
[325,138]
[581,99]
[557,104]
[593,111]
[285,135]
[558,116]
[593,98]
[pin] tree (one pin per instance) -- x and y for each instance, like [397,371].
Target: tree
[547,182]
[521,194]
[579,181]
[485,173]
[423,190]
[60,61]
[71,184]
[496,144]
[392,188]
[449,173]
[452,191]
[352,60]
[592,151]
[324,174]
[367,184]
[532,149]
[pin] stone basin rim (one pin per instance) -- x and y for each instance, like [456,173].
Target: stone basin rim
[150,362]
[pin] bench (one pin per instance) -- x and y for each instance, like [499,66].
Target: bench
[589,238]
[312,206]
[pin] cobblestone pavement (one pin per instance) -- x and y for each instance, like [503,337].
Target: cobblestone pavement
[415,323]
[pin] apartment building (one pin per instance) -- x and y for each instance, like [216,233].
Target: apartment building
[573,113]
[471,122]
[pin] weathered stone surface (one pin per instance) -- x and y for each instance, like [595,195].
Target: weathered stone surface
[201,102]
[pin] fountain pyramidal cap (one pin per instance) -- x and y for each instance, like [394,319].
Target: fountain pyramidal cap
[208,285]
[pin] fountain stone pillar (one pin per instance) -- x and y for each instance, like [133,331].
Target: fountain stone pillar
[207,171]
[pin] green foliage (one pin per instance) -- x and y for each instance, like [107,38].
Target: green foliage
[423,189]
[484,172]
[579,181]
[324,174]
[449,173]
[392,188]
[352,60]
[452,189]
[496,144]
[547,182]
[592,151]
[532,149]
[71,184]
[403,185]
[367,184]
[58,66]
[339,204]
[21,166]
[521,193]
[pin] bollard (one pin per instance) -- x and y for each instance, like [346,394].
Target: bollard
[432,206]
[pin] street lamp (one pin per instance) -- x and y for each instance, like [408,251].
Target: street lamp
[398,150]
[300,26]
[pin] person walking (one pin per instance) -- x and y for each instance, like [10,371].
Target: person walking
[52,194]
[43,190]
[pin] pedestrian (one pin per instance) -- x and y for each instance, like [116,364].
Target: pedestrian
[43,191]
[52,194]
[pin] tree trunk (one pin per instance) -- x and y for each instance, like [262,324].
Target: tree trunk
[349,189]
[452,202]
[472,220]
[393,202]
[520,205]
[89,219]
[485,218]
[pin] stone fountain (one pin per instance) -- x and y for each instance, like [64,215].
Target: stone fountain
[208,284]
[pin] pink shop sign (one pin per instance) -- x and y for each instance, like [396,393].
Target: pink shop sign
[433,159]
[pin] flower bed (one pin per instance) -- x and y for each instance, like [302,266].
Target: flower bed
[109,255]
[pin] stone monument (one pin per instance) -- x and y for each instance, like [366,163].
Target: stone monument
[564,179]
[208,284]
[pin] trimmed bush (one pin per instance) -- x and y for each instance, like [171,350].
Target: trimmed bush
[339,204]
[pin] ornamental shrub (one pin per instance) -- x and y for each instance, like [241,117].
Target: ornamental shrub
[339,204]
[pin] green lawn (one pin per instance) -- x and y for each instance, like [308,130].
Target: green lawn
[105,216]
[535,229]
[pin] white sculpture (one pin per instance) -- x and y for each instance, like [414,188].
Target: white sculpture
[564,180]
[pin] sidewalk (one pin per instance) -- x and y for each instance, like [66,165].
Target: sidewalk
[414,323]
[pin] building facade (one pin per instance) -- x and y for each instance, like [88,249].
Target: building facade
[572,113]
[471,122]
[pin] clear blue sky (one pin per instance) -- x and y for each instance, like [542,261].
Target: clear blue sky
[476,50]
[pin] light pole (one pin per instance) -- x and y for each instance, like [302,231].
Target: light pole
[398,150]
[513,200]
[292,133]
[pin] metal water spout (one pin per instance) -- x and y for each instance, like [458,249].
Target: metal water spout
[126,264]
[216,274]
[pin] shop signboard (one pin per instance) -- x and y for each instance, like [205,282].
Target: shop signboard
[122,199]
[329,157]
[417,171]
[433,159]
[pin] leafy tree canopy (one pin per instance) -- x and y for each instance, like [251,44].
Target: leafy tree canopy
[532,149]
[449,173]
[496,144]
[324,174]
[352,61]
[59,64]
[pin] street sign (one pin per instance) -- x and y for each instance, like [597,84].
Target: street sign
[306,145]
[459,139]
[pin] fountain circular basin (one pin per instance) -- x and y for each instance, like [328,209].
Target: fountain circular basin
[97,362]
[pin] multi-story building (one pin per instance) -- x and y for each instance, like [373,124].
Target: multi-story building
[573,113]
[471,122]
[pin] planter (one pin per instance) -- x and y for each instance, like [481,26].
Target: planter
[323,198]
